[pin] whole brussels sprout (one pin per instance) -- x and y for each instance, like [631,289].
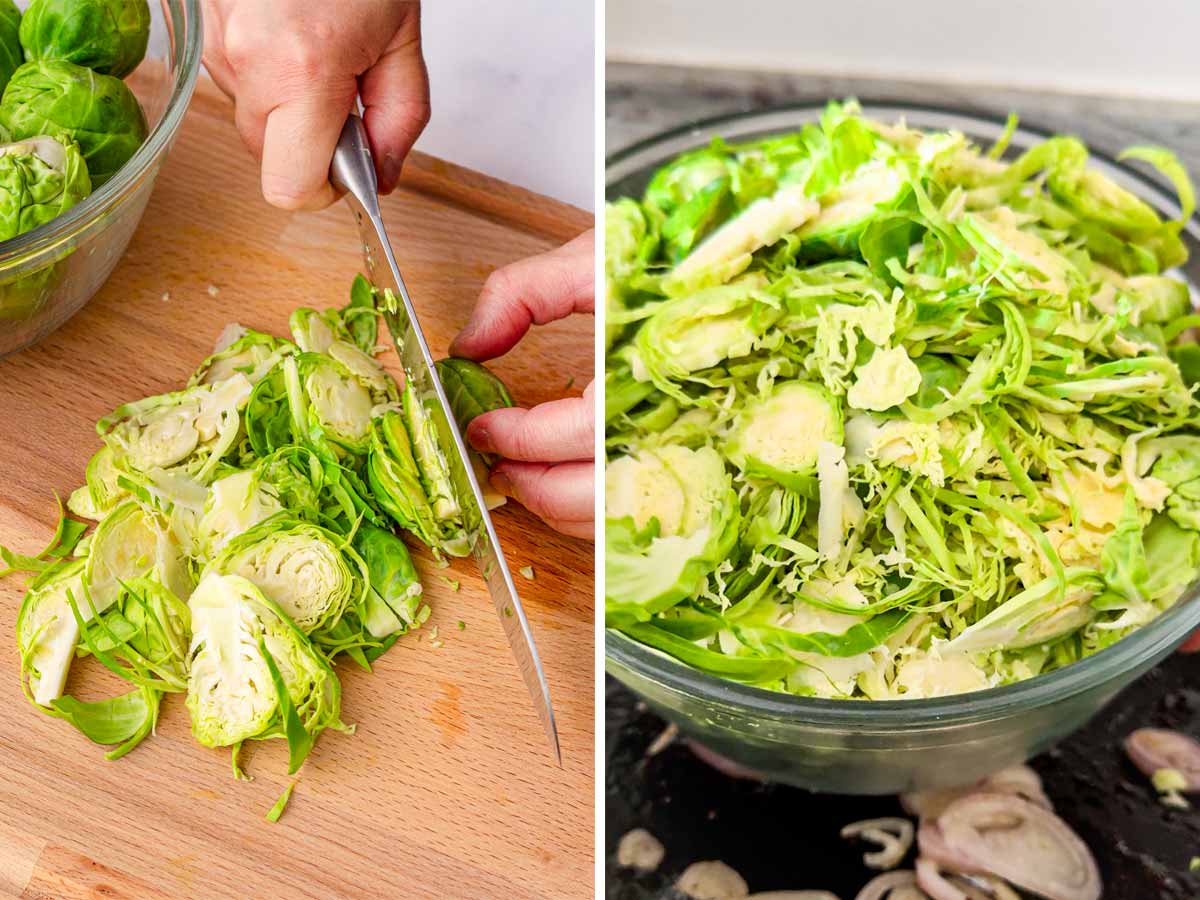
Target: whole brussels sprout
[107,36]
[40,178]
[11,54]
[64,100]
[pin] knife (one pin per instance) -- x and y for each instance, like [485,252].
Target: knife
[353,171]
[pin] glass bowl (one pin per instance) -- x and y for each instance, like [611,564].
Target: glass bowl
[884,747]
[49,273]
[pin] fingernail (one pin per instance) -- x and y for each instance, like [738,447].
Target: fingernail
[480,438]
[501,483]
[463,338]
[390,169]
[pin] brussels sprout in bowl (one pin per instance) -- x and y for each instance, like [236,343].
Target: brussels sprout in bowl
[851,746]
[72,245]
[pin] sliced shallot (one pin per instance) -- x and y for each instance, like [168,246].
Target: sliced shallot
[1019,780]
[893,835]
[712,880]
[794,895]
[901,885]
[639,849]
[956,886]
[931,845]
[1020,842]
[724,764]
[1155,749]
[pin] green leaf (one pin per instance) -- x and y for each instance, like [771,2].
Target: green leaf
[300,742]
[124,720]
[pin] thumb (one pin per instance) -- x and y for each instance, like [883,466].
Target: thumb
[395,96]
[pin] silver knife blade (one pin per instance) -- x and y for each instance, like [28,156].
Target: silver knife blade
[353,171]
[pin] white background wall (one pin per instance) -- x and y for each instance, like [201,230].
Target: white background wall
[513,91]
[1148,48]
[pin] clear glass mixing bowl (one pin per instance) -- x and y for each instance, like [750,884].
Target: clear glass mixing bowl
[883,747]
[48,274]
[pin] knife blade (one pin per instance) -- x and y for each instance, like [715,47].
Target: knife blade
[353,171]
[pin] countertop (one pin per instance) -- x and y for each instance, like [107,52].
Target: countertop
[783,838]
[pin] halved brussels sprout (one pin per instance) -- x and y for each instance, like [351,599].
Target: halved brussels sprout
[72,103]
[107,36]
[40,178]
[671,517]
[472,389]
[195,427]
[303,568]
[238,637]
[777,435]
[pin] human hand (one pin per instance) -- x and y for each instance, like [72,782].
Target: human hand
[293,69]
[548,451]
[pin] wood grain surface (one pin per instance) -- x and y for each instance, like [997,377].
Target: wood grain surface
[447,789]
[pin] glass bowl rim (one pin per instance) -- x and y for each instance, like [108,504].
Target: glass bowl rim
[1146,644]
[187,56]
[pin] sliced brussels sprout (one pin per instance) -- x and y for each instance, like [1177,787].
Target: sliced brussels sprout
[195,427]
[728,250]
[131,543]
[847,210]
[361,315]
[315,330]
[47,631]
[338,400]
[664,538]
[107,36]
[886,380]
[674,184]
[40,178]
[303,568]
[1158,298]
[689,334]
[102,492]
[238,637]
[431,460]
[395,478]
[251,353]
[777,434]
[235,504]
[1000,241]
[72,103]
[395,589]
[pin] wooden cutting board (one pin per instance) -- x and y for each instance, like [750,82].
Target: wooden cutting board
[447,789]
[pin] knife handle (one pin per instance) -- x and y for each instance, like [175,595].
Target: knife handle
[353,167]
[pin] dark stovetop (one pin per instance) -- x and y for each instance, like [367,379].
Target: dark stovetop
[782,838]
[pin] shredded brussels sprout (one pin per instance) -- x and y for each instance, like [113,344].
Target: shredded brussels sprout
[246,538]
[890,417]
